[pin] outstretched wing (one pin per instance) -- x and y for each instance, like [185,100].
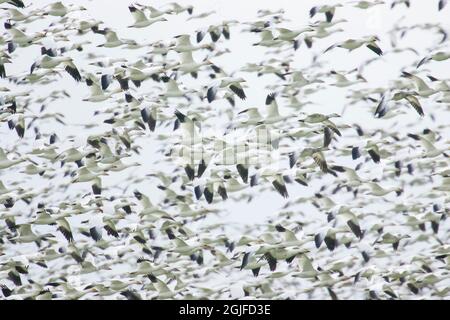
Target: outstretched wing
[73,71]
[138,15]
[237,89]
[414,102]
[372,46]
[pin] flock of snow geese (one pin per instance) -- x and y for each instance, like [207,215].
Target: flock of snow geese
[132,200]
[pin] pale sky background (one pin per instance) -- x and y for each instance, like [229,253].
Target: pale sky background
[376,21]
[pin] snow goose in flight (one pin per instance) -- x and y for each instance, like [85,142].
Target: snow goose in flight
[150,116]
[298,80]
[430,150]
[214,31]
[352,44]
[17,122]
[188,65]
[438,56]
[174,91]
[317,155]
[412,100]
[273,115]
[84,175]
[7,163]
[159,48]
[352,178]
[268,40]
[105,62]
[242,156]
[328,235]
[26,235]
[22,39]
[254,117]
[84,26]
[113,41]
[16,15]
[266,12]
[191,135]
[410,97]
[325,9]
[291,36]
[377,190]
[183,44]
[4,190]
[140,19]
[422,88]
[232,84]
[257,26]
[177,8]
[50,62]
[294,102]
[137,74]
[318,117]
[154,13]
[107,156]
[275,176]
[249,262]
[213,184]
[97,94]
[442,85]
[163,291]
[64,228]
[323,119]
[73,155]
[32,169]
[320,33]
[373,149]
[231,185]
[342,81]
[58,9]
[201,15]
[367,4]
